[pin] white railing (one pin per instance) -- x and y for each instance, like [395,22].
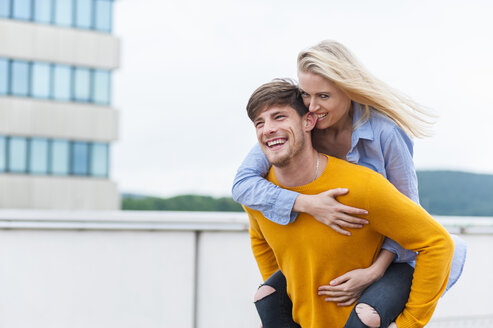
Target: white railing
[170,269]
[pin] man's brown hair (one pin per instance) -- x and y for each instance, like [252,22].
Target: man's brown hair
[278,92]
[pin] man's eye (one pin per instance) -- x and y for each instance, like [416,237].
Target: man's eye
[278,117]
[259,124]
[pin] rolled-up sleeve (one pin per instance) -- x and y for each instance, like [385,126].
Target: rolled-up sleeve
[251,189]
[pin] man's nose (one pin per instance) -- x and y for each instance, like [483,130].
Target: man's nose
[270,128]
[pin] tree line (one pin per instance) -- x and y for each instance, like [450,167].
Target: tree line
[441,193]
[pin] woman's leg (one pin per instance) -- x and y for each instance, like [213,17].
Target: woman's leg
[384,300]
[273,304]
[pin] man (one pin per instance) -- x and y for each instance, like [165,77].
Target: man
[309,253]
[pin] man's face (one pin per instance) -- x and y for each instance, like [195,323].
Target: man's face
[281,133]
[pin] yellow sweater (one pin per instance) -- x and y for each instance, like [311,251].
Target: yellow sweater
[311,254]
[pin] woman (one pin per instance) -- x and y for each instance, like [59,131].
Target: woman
[364,121]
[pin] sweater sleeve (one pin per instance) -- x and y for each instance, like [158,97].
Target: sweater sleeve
[411,226]
[251,189]
[264,255]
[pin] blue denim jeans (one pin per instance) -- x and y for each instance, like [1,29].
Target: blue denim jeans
[388,296]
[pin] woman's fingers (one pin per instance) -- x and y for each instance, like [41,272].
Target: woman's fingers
[338,229]
[351,219]
[348,303]
[339,299]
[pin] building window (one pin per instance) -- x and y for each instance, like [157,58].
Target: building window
[4,76]
[22,9]
[55,81]
[60,157]
[19,83]
[41,80]
[5,8]
[38,156]
[43,10]
[17,154]
[84,14]
[82,84]
[80,158]
[62,81]
[3,153]
[64,12]
[101,87]
[99,160]
[103,19]
[44,156]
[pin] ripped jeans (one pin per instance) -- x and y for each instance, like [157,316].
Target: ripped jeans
[388,296]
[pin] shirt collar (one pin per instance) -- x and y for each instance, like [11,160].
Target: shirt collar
[362,131]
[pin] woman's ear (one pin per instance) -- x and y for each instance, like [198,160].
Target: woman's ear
[310,121]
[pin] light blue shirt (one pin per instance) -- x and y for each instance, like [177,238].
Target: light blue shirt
[378,144]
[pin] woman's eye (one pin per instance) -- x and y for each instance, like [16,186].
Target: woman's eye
[324,96]
[304,94]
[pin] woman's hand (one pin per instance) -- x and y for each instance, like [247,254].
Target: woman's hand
[327,210]
[347,288]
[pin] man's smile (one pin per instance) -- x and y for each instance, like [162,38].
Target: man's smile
[276,143]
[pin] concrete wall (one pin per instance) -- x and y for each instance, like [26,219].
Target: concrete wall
[41,118]
[48,192]
[31,41]
[169,269]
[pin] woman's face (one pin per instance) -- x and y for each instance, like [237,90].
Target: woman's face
[322,97]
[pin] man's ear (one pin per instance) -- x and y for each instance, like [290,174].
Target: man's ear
[310,121]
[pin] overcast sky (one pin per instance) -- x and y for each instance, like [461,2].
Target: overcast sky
[188,68]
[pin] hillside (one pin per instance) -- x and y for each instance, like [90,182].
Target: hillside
[441,193]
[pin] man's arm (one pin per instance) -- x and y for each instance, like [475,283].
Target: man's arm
[264,255]
[399,218]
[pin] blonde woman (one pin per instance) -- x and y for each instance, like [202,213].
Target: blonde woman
[364,121]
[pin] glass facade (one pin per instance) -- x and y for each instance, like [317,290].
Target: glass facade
[3,153]
[17,154]
[4,76]
[82,84]
[63,13]
[80,158]
[40,80]
[99,159]
[21,9]
[55,81]
[62,81]
[60,157]
[38,156]
[84,14]
[44,156]
[19,78]
[83,18]
[43,11]
[101,92]
[4,8]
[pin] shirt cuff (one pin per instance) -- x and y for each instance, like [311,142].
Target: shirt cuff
[282,211]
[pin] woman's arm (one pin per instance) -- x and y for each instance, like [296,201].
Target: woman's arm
[281,205]
[399,168]
[251,189]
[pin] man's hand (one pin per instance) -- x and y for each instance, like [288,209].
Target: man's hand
[347,288]
[327,210]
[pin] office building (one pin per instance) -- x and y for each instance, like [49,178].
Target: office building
[56,120]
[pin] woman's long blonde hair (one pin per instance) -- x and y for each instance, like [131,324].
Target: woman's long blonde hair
[333,61]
